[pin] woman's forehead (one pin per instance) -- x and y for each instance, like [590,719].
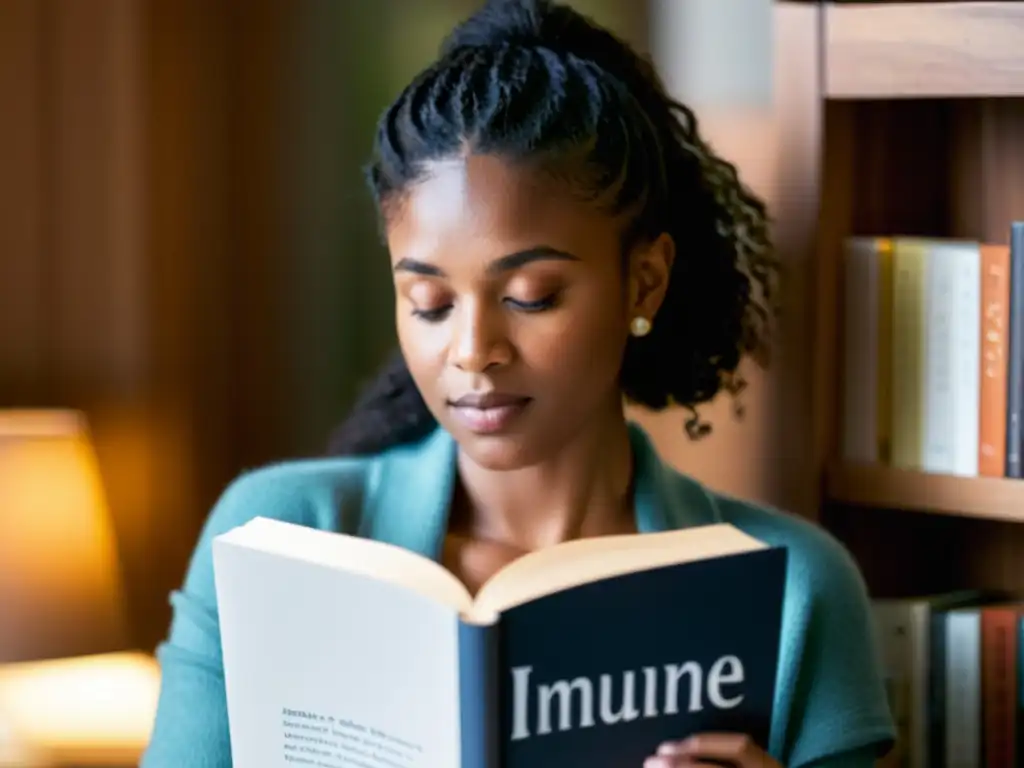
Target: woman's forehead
[483,198]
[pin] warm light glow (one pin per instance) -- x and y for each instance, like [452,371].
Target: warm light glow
[59,577]
[90,710]
[15,753]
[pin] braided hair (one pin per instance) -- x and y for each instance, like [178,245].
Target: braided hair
[535,82]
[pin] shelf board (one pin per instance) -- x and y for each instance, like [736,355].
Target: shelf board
[916,50]
[870,485]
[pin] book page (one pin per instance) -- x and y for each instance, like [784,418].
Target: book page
[332,669]
[379,559]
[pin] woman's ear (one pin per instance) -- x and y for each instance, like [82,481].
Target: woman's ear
[650,266]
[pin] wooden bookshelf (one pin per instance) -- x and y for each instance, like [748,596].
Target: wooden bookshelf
[919,130]
[883,487]
[901,50]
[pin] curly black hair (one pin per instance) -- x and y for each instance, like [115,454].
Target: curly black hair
[538,83]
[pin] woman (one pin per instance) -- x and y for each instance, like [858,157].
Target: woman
[560,237]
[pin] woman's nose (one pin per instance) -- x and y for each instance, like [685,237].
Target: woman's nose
[480,341]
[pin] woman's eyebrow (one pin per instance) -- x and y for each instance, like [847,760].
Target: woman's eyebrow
[506,263]
[418,268]
[521,258]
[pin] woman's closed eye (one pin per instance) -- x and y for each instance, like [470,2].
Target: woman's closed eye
[539,305]
[432,315]
[439,313]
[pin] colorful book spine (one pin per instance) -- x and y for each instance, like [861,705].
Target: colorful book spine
[1015,372]
[933,354]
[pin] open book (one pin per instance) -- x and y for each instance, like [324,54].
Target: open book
[342,652]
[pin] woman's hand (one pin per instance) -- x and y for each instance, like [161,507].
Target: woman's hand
[731,749]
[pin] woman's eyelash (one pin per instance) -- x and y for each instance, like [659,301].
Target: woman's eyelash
[437,314]
[432,315]
[535,306]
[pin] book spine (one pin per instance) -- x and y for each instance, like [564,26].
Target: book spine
[920,642]
[860,346]
[1013,684]
[1019,679]
[478,695]
[937,378]
[934,752]
[1015,374]
[908,353]
[995,306]
[965,359]
[883,359]
[999,686]
[963,676]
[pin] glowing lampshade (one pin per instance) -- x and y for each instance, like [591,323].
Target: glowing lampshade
[60,587]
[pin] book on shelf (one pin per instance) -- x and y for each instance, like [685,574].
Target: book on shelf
[933,354]
[1015,356]
[354,652]
[953,666]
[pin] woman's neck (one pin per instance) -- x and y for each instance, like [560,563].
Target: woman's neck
[586,490]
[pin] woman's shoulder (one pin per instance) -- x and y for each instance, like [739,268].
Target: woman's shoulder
[325,493]
[818,562]
[820,568]
[336,493]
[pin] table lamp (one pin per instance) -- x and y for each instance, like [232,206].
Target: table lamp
[70,694]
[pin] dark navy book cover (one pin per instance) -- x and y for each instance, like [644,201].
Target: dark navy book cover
[601,674]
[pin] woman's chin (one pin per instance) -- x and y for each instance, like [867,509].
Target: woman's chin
[499,452]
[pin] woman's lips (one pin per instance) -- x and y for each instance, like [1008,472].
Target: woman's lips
[488,413]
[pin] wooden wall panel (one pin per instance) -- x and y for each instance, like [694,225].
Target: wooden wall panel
[72,297]
[140,210]
[216,153]
[22,195]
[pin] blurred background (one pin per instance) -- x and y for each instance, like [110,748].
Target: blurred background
[190,273]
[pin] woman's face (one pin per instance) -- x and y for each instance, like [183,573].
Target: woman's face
[513,310]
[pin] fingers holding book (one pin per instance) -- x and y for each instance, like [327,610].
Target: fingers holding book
[729,749]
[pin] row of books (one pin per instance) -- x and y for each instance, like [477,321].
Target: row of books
[933,354]
[953,667]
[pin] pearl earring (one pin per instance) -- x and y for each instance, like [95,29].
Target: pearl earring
[640,326]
